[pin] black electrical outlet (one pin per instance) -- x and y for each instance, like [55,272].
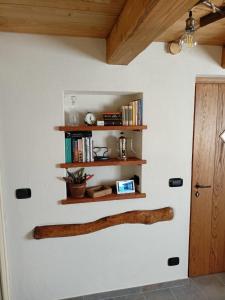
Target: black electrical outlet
[175,182]
[23,193]
[173,261]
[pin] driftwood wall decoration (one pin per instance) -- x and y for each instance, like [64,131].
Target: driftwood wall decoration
[131,217]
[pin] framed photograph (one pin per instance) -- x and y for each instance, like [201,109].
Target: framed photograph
[125,186]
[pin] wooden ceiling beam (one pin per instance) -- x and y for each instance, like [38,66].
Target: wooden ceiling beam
[212,17]
[139,24]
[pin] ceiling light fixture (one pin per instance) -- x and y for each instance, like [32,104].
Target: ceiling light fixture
[211,5]
[188,38]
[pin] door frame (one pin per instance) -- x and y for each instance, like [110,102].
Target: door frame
[205,79]
[4,274]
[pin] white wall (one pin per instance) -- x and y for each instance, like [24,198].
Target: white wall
[35,70]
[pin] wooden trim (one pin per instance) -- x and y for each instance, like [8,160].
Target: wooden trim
[223,58]
[212,17]
[131,217]
[110,197]
[4,275]
[139,24]
[218,79]
[101,163]
[95,128]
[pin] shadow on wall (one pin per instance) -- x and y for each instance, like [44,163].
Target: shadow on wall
[212,54]
[96,50]
[207,51]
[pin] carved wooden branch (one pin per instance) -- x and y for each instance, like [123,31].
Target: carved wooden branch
[131,217]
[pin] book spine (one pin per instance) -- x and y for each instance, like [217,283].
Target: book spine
[133,110]
[113,123]
[75,150]
[114,117]
[126,115]
[91,149]
[83,150]
[80,154]
[112,113]
[130,115]
[123,115]
[68,148]
[141,112]
[138,112]
[80,134]
[87,149]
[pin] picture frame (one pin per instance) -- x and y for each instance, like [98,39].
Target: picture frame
[125,186]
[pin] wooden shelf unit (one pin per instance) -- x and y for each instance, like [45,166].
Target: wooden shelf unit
[100,128]
[111,197]
[132,161]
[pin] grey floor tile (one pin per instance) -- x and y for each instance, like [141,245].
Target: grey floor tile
[211,286]
[164,285]
[221,277]
[135,297]
[188,292]
[118,298]
[113,294]
[164,294]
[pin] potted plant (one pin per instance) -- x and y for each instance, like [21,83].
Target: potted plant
[76,182]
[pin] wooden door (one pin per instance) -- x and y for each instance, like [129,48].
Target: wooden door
[207,226]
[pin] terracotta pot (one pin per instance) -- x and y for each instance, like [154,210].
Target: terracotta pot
[77,190]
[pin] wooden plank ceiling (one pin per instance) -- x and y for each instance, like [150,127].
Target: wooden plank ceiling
[90,18]
[128,25]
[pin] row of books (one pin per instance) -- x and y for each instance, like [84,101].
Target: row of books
[112,119]
[132,114]
[78,146]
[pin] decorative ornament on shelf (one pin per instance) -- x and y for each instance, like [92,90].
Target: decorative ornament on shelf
[188,38]
[90,119]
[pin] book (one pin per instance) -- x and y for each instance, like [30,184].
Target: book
[112,116]
[116,113]
[91,149]
[75,150]
[113,123]
[68,148]
[123,115]
[140,112]
[134,113]
[130,114]
[83,150]
[87,147]
[80,151]
[126,115]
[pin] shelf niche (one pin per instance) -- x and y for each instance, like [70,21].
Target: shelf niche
[98,102]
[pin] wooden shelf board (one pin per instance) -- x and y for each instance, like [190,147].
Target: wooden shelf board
[104,198]
[90,128]
[110,162]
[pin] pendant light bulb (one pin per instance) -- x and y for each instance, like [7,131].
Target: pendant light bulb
[188,38]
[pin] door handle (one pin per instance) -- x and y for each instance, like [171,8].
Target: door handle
[200,186]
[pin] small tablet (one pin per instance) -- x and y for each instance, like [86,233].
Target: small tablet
[125,186]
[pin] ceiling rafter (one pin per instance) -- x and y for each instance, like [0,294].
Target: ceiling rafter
[139,24]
